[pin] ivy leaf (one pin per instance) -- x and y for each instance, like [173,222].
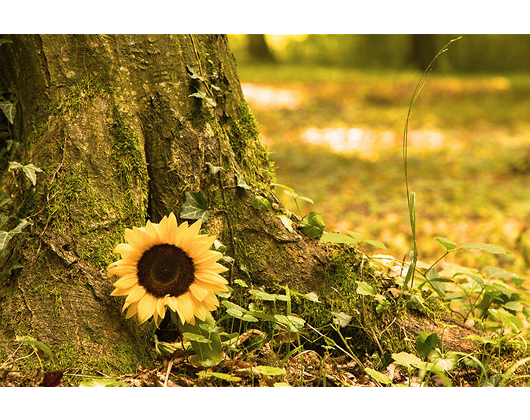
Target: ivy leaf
[219,375]
[214,169]
[193,73]
[355,235]
[426,343]
[288,223]
[241,183]
[499,273]
[201,95]
[5,237]
[195,207]
[29,170]
[9,110]
[260,294]
[312,225]
[261,203]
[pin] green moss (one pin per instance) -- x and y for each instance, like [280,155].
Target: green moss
[250,152]
[80,193]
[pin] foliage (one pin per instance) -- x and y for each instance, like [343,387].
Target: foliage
[260,334]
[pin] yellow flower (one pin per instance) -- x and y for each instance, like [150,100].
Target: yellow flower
[168,265]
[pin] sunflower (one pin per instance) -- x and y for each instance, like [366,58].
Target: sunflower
[168,265]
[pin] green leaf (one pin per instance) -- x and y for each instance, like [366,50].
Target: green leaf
[341,318]
[312,296]
[288,223]
[291,321]
[513,306]
[29,170]
[201,95]
[241,183]
[204,339]
[240,282]
[426,343]
[238,312]
[375,243]
[405,359]
[5,41]
[270,370]
[283,187]
[194,74]
[195,207]
[312,225]
[446,243]
[214,169]
[499,273]
[355,235]
[382,306]
[338,238]
[260,294]
[5,237]
[378,376]
[9,110]
[219,375]
[196,337]
[493,249]
[36,345]
[364,288]
[261,203]
[508,320]
[103,382]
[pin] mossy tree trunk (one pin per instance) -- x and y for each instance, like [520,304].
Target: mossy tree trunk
[122,127]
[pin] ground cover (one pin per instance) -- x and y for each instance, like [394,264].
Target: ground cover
[336,137]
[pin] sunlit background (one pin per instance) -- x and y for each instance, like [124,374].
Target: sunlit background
[332,110]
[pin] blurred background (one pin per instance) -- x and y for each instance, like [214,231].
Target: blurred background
[332,110]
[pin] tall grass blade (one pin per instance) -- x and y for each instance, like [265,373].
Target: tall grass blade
[410,196]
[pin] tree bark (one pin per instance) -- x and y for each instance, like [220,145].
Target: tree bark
[122,127]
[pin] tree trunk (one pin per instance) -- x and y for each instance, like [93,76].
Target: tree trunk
[122,127]
[259,50]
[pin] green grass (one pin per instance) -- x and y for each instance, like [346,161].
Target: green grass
[473,187]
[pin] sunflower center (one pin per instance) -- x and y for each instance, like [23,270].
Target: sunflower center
[165,269]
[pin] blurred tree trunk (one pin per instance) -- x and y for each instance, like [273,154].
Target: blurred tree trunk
[259,50]
[122,127]
[423,49]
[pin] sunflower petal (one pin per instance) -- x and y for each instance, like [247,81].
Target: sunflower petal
[146,307]
[126,281]
[198,291]
[137,293]
[211,278]
[133,310]
[185,309]
[152,231]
